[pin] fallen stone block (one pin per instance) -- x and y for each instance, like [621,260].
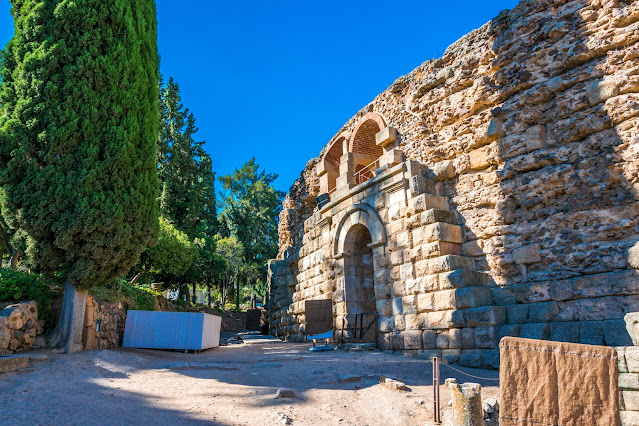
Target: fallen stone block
[8,364]
[393,384]
[285,393]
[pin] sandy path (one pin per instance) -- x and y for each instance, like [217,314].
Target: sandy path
[232,385]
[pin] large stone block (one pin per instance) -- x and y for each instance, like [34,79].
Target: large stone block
[631,355]
[446,319]
[473,360]
[632,326]
[485,315]
[413,339]
[425,302]
[491,360]
[629,418]
[383,291]
[506,330]
[442,341]
[468,338]
[386,136]
[425,202]
[429,339]
[400,322]
[631,402]
[449,263]
[407,271]
[451,356]
[461,278]
[384,307]
[439,248]
[542,312]
[517,314]
[442,231]
[629,381]
[398,306]
[444,170]
[409,305]
[386,324]
[615,333]
[455,338]
[381,276]
[527,254]
[485,337]
[535,331]
[591,332]
[564,332]
[437,215]
[397,341]
[416,321]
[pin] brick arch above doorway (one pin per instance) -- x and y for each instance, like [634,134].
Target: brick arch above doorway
[359,214]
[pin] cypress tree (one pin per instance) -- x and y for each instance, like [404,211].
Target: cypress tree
[79,135]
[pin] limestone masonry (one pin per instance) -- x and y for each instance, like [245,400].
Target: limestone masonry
[491,192]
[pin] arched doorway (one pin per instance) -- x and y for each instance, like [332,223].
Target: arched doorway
[359,234]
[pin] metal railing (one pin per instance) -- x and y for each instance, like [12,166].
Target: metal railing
[366,173]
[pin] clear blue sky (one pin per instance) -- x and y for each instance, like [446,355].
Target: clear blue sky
[277,79]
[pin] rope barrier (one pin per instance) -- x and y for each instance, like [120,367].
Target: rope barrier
[470,375]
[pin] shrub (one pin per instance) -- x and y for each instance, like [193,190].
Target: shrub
[17,286]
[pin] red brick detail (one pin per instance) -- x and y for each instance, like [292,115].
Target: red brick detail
[363,136]
[334,152]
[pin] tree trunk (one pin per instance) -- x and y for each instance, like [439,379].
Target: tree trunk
[67,335]
[194,295]
[13,261]
[252,298]
[237,295]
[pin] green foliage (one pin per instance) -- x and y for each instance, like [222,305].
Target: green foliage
[78,133]
[16,286]
[250,211]
[172,255]
[187,181]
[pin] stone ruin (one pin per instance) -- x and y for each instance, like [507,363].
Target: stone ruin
[492,192]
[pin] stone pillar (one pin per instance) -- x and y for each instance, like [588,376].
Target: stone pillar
[466,408]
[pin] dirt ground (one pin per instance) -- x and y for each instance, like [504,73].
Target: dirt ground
[229,385]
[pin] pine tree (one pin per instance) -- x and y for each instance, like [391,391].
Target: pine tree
[79,136]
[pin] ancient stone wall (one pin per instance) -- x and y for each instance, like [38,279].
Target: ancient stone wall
[19,326]
[528,127]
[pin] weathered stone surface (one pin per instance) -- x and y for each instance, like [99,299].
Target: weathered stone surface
[429,339]
[486,315]
[632,326]
[529,156]
[534,331]
[485,337]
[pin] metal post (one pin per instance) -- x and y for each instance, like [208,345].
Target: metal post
[436,409]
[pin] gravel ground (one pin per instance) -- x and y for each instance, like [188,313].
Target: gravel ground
[230,385]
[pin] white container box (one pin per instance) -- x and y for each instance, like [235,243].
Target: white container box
[171,330]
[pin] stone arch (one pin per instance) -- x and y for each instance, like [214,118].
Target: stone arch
[363,146]
[331,160]
[358,214]
[362,140]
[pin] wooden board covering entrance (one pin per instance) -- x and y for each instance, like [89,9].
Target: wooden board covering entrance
[319,316]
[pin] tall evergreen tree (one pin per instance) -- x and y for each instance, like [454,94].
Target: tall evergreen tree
[78,149]
[185,169]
